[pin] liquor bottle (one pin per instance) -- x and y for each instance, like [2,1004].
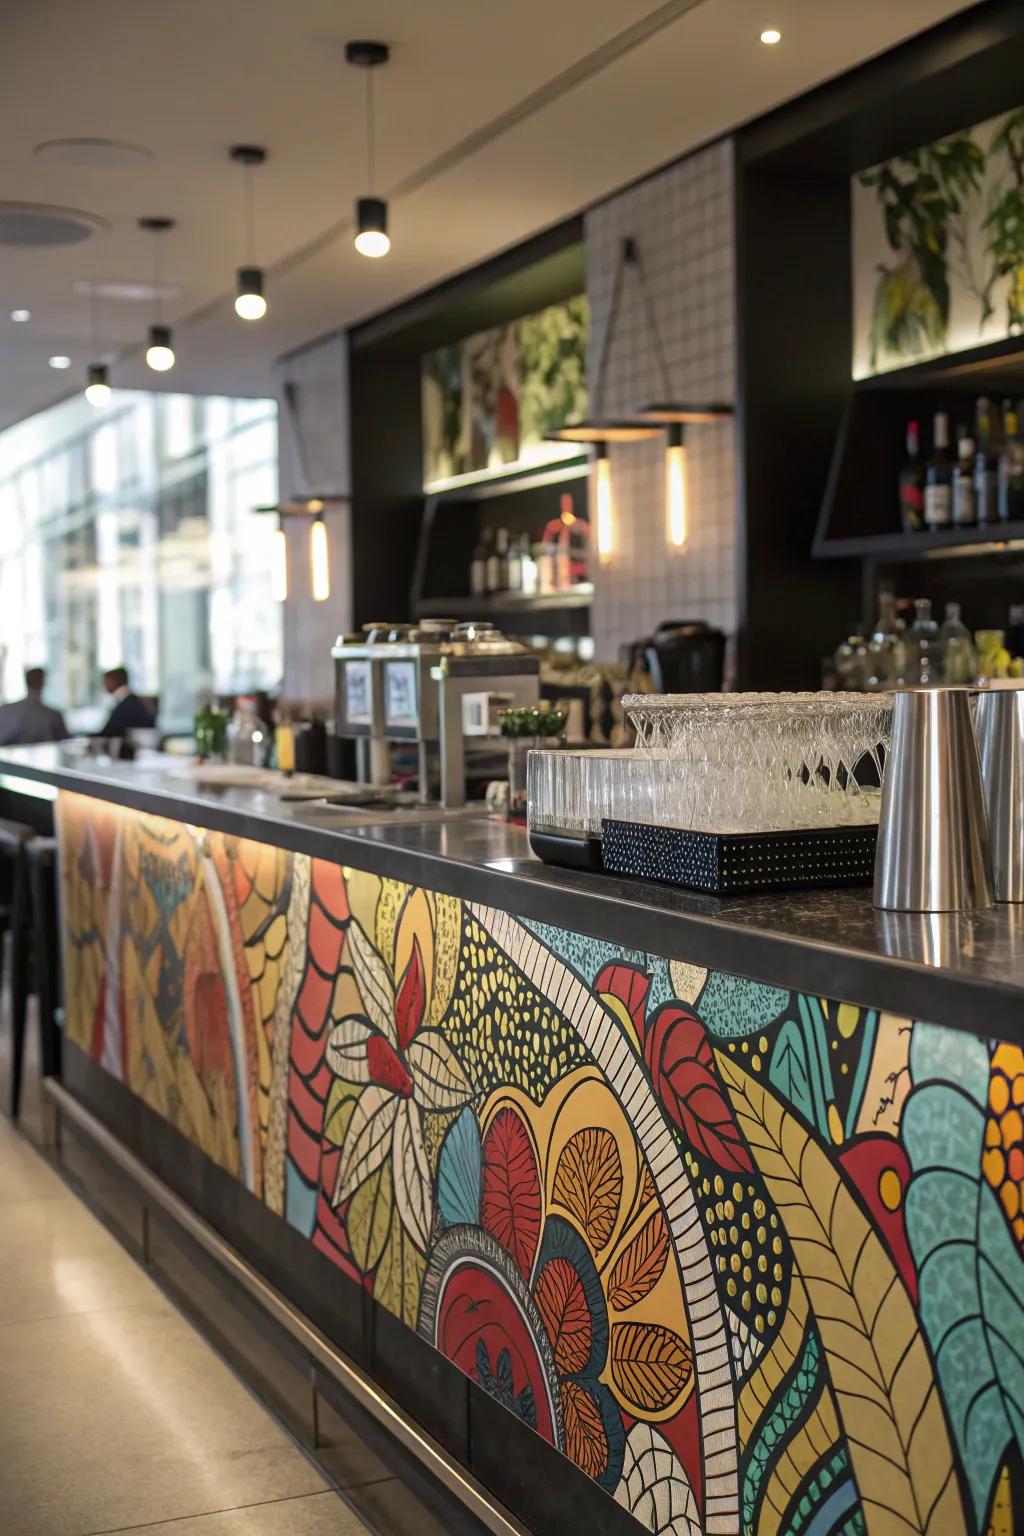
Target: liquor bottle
[885,648]
[515,566]
[965,502]
[912,483]
[478,566]
[922,644]
[497,563]
[529,567]
[938,478]
[1011,470]
[959,658]
[986,466]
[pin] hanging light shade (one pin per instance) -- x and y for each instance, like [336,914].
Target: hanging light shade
[250,303]
[97,389]
[319,561]
[372,227]
[160,352]
[371,237]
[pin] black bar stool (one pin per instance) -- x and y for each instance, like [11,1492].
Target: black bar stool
[16,918]
[41,854]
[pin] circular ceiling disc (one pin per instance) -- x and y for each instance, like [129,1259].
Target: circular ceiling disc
[38,224]
[100,154]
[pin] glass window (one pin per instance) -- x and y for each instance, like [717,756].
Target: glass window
[129,536]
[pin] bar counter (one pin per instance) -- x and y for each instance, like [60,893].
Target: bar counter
[720,1199]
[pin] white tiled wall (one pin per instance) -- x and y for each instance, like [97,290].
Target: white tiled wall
[682,222]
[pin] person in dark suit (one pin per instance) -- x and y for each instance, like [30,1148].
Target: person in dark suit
[129,712]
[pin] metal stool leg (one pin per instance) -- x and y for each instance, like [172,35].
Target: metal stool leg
[21,939]
[45,933]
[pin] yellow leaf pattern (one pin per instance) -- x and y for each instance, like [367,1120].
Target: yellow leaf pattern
[881,1375]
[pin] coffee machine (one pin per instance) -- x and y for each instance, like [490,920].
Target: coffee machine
[439,685]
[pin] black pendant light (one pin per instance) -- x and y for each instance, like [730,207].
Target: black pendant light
[372,237]
[97,383]
[160,351]
[250,303]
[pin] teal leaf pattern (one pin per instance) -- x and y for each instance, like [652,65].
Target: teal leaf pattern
[799,1067]
[971,1274]
[794,1394]
[459,1172]
[734,1009]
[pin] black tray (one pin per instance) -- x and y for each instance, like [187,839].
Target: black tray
[727,863]
[570,852]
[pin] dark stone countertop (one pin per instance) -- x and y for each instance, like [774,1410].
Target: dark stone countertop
[961,969]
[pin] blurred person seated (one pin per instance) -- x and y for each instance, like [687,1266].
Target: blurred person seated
[129,713]
[28,721]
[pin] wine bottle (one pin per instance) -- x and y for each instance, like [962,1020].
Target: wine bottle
[912,483]
[965,503]
[986,476]
[938,478]
[1011,470]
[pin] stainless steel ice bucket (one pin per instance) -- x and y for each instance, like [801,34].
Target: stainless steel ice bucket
[999,722]
[933,853]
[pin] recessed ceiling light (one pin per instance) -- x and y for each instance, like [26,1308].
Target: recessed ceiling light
[60,361]
[771,35]
[38,224]
[128,292]
[91,153]
[19,316]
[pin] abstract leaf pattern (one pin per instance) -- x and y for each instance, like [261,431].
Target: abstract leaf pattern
[650,1365]
[775,1237]
[588,1183]
[970,1272]
[639,1269]
[682,1065]
[881,1375]
[510,1203]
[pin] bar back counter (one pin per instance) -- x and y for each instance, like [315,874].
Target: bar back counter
[593,1188]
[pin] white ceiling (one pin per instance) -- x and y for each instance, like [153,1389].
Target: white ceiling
[494,120]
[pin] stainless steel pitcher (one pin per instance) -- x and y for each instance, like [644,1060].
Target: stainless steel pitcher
[999,722]
[933,853]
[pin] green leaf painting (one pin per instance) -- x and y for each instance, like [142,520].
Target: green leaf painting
[971,1274]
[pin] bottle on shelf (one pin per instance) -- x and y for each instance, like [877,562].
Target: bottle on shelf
[938,478]
[965,502]
[923,648]
[986,466]
[528,566]
[478,566]
[1011,469]
[912,483]
[544,556]
[497,563]
[852,664]
[959,658]
[515,566]
[885,648]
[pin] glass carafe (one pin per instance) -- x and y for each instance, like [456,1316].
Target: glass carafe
[960,659]
[923,646]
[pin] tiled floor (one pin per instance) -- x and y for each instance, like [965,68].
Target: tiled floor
[115,1415]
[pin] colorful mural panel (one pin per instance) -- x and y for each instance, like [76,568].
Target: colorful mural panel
[938,247]
[750,1258]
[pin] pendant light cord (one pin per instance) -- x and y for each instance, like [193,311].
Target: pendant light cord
[370,157]
[249,217]
[629,256]
[158,291]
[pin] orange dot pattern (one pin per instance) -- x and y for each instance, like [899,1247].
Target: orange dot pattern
[1003,1157]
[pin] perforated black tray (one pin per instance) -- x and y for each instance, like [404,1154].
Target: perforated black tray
[728,863]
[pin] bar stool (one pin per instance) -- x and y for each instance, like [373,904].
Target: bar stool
[41,854]
[15,918]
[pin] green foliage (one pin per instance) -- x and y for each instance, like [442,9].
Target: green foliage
[552,368]
[920,193]
[1005,222]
